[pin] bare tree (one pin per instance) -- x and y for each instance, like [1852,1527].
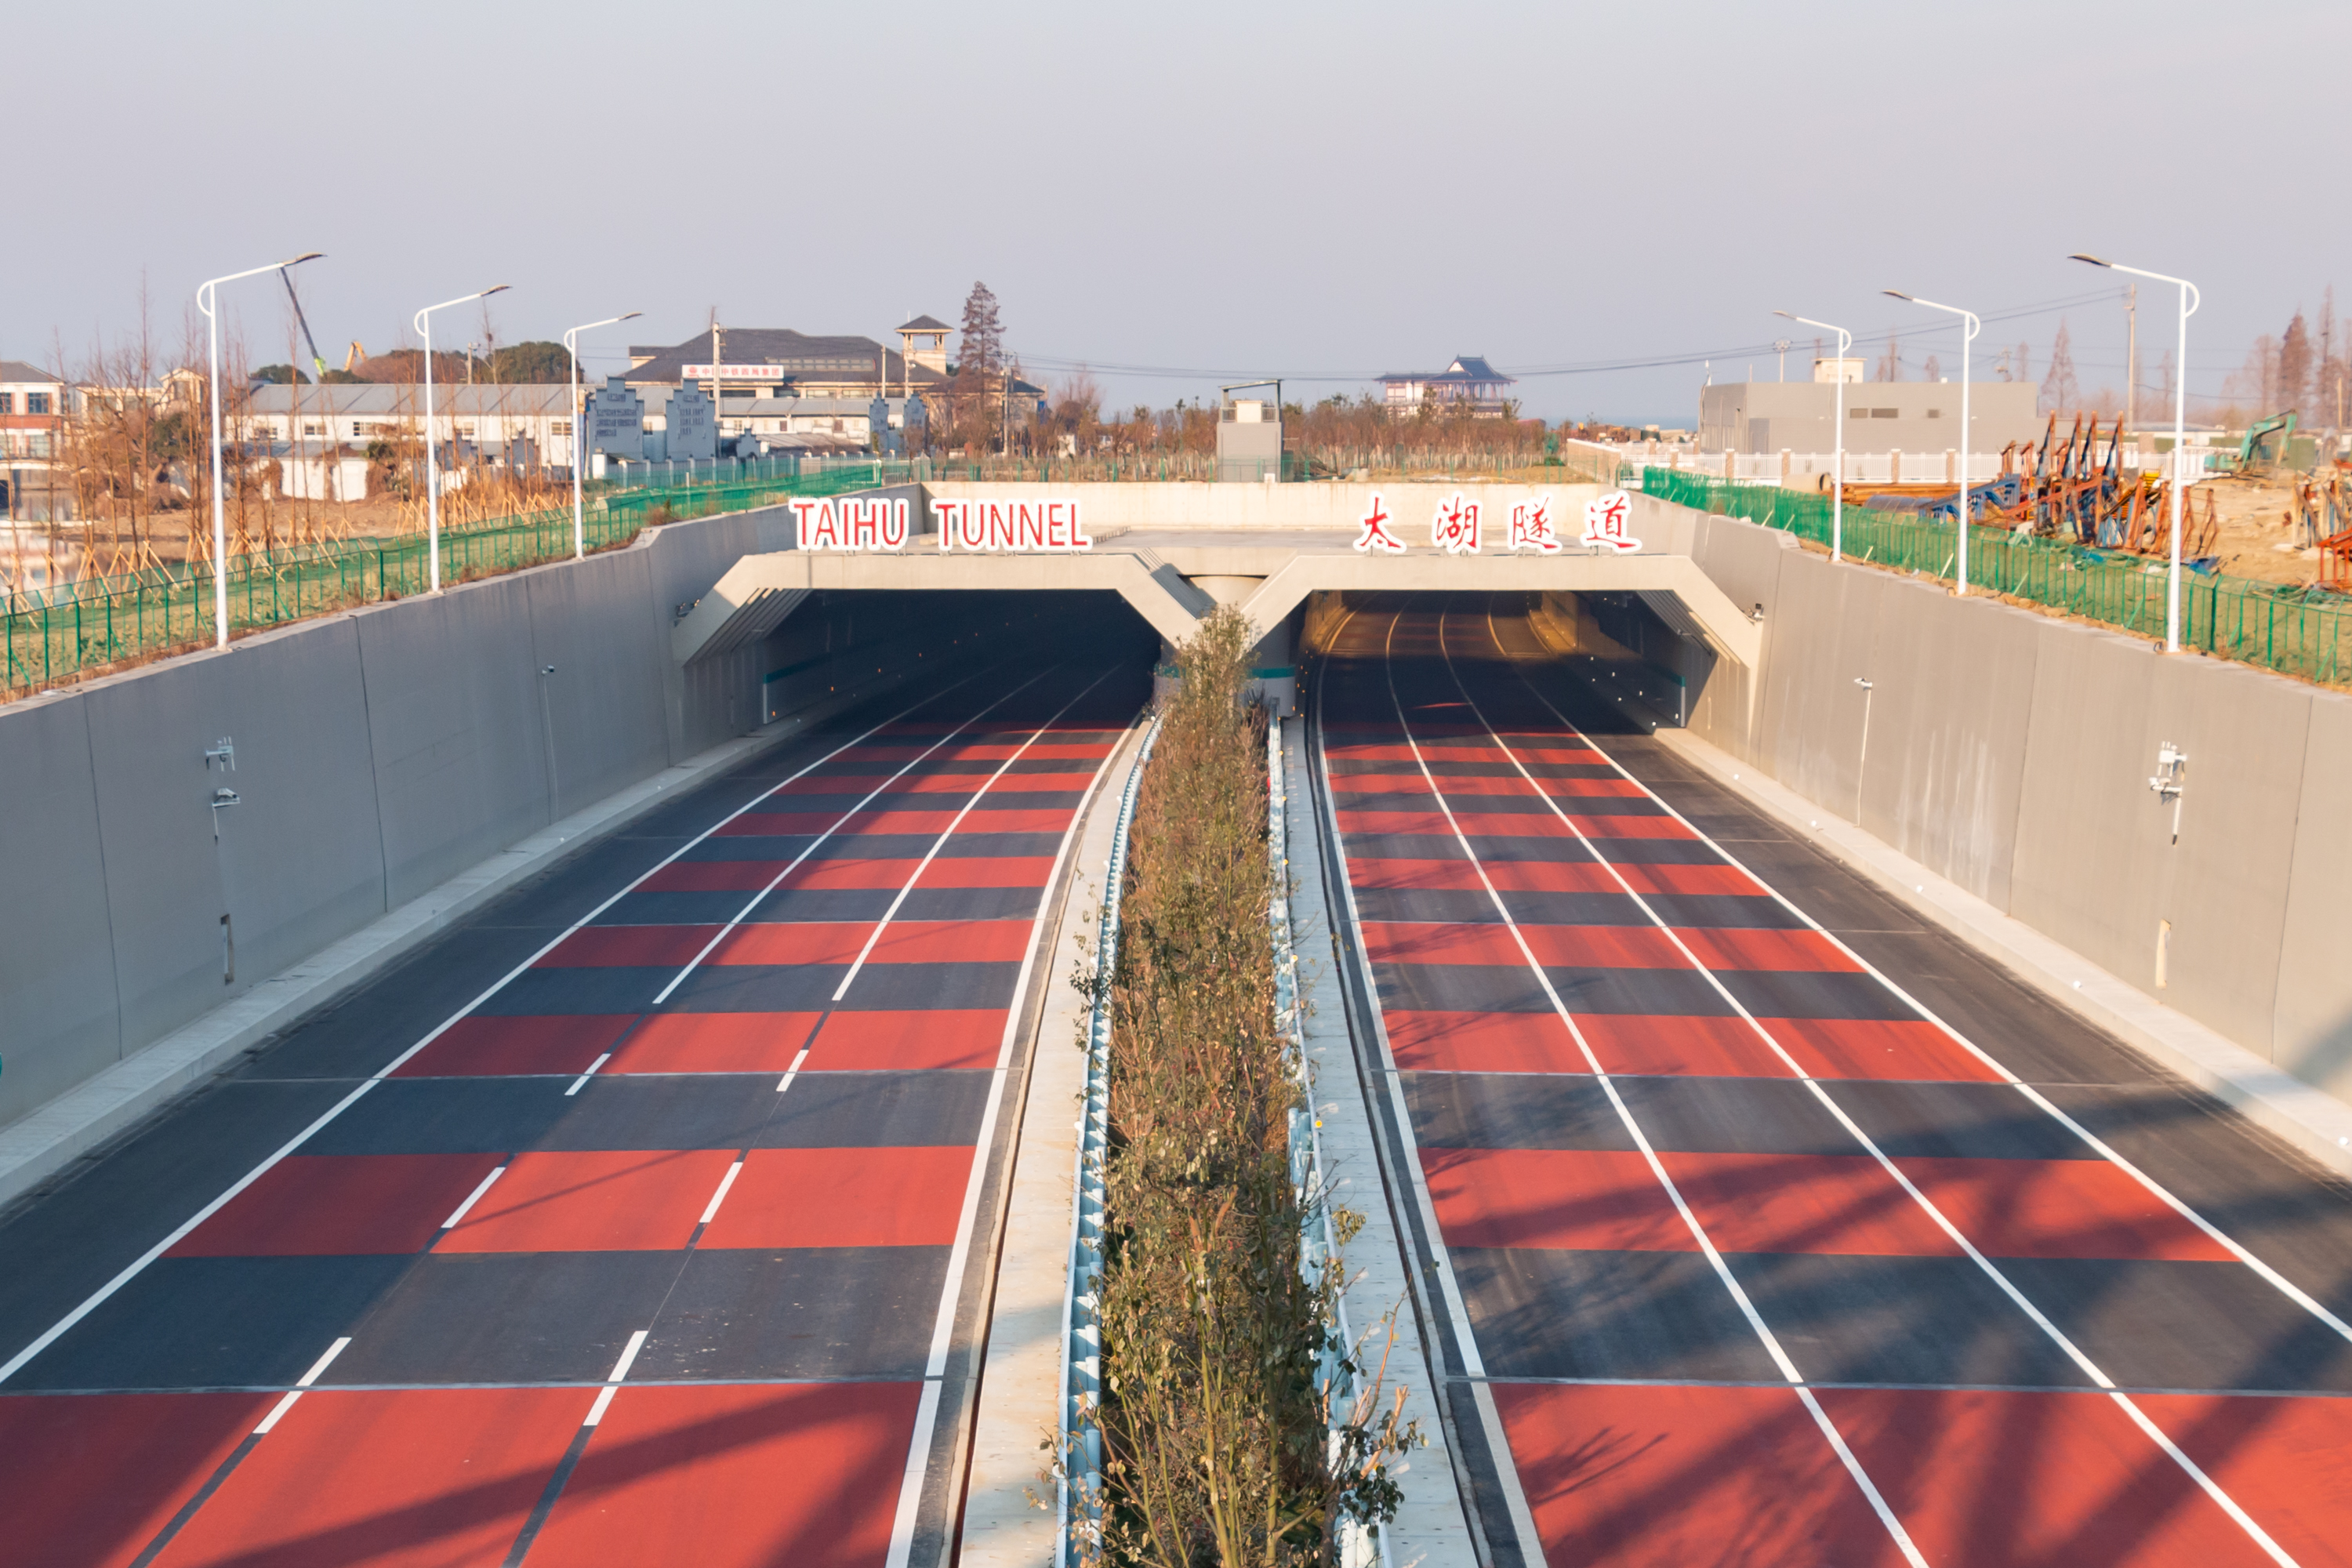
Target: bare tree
[2060,391]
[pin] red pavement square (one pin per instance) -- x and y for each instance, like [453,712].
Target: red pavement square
[900,821]
[1416,875]
[989,871]
[777,824]
[2059,1208]
[943,1039]
[1468,786]
[1552,876]
[1483,1042]
[1604,947]
[1403,780]
[1653,1477]
[2012,1479]
[2287,1461]
[1419,823]
[1631,827]
[90,1477]
[714,1042]
[1025,819]
[952,941]
[1416,941]
[844,1197]
[312,1205]
[737,1476]
[794,941]
[1761,947]
[1714,879]
[631,1200]
[1041,784]
[398,1479]
[1397,751]
[1555,752]
[834,876]
[1878,1047]
[713,876]
[659,947]
[1595,1200]
[1040,750]
[1593,789]
[1843,1204]
[487,1047]
[1517,824]
[1674,1045]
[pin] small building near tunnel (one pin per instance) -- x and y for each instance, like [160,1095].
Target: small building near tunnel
[1757,417]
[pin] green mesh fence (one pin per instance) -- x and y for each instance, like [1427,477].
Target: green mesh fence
[58,636]
[2295,631]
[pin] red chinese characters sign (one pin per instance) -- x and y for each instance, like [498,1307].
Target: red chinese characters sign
[1605,521]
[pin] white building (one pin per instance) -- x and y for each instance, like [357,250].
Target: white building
[490,419]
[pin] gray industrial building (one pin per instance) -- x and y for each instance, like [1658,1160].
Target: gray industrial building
[1880,417]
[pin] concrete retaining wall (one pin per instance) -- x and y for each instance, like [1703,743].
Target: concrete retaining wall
[2011,751]
[378,753]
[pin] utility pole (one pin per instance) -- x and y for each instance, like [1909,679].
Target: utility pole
[2131,356]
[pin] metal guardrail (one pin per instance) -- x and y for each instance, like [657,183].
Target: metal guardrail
[1079,1509]
[1320,1240]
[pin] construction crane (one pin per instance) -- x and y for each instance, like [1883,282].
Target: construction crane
[318,365]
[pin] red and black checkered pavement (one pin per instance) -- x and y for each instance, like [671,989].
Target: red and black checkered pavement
[1740,1253]
[653,1252]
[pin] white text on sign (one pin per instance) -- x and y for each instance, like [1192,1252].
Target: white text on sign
[850,522]
[1022,527]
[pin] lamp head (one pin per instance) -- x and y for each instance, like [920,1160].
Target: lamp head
[1895,294]
[630,316]
[305,256]
[493,289]
[1789,315]
[2094,260]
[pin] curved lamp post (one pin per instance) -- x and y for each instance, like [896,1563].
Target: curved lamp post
[2190,299]
[1969,327]
[1837,496]
[207,300]
[432,465]
[571,346]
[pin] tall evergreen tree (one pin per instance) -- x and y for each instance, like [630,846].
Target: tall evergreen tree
[2059,390]
[2295,367]
[982,352]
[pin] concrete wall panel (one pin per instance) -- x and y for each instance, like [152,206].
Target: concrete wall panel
[454,720]
[602,709]
[59,1022]
[1810,712]
[299,860]
[1952,689]
[2312,1036]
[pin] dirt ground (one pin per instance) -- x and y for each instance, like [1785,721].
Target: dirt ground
[2258,538]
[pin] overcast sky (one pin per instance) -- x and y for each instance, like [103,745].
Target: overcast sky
[1213,190]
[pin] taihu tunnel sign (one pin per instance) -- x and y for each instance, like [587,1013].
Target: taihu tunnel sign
[1042,525]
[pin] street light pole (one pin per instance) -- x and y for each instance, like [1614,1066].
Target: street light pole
[571,345]
[1969,327]
[432,465]
[2190,299]
[1837,494]
[208,301]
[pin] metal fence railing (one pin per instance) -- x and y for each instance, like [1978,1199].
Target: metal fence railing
[57,635]
[2300,631]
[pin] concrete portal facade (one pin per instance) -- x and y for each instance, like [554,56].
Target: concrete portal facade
[1175,558]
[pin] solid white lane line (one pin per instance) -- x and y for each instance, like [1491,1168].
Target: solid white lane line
[1853,1467]
[792,1072]
[612,1384]
[472,1198]
[279,1410]
[2018,1297]
[2213,1232]
[904,768]
[137,1266]
[584,1077]
[967,1219]
[910,1486]
[941,842]
[725,1182]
